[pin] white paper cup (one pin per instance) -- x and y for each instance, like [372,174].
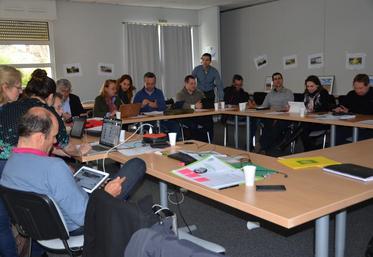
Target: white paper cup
[122,136]
[216,106]
[242,106]
[249,172]
[193,106]
[172,138]
[222,105]
[302,112]
[117,115]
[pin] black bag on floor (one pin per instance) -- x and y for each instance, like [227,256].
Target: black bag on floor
[369,251]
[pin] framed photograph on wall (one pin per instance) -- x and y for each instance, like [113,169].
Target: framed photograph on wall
[268,84]
[371,80]
[327,82]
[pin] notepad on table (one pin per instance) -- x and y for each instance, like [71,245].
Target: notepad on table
[307,162]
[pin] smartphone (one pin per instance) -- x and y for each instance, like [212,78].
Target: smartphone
[270,188]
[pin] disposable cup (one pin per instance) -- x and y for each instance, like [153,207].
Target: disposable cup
[172,138]
[242,106]
[222,105]
[216,106]
[193,106]
[117,115]
[249,172]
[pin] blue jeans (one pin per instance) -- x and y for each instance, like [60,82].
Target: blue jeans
[7,242]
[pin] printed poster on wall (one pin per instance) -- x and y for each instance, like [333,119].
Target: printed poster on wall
[355,61]
[290,62]
[105,69]
[261,61]
[315,61]
[72,70]
[210,50]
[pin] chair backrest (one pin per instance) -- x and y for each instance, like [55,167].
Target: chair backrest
[259,97]
[35,214]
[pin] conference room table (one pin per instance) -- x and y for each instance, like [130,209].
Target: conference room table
[355,123]
[311,193]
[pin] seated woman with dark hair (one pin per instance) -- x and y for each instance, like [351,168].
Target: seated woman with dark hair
[107,103]
[316,99]
[125,89]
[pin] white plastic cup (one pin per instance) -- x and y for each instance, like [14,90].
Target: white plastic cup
[216,106]
[302,111]
[222,105]
[122,136]
[172,138]
[193,106]
[249,172]
[118,116]
[242,106]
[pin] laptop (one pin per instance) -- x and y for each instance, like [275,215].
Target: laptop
[90,179]
[109,136]
[78,127]
[295,107]
[130,110]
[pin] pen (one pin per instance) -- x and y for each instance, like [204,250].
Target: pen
[228,187]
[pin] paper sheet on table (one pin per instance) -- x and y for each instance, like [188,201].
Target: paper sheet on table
[368,122]
[218,175]
[334,117]
[153,113]
[275,113]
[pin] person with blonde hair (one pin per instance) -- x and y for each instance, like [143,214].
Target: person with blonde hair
[107,103]
[10,84]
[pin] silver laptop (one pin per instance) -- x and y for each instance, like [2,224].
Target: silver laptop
[109,136]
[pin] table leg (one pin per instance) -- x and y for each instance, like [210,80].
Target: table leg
[236,131]
[332,135]
[340,233]
[322,237]
[248,135]
[355,134]
[163,194]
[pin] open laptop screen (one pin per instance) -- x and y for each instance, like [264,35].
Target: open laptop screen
[110,132]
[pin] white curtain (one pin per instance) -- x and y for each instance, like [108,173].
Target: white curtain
[142,52]
[176,57]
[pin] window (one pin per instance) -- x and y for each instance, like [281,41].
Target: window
[26,45]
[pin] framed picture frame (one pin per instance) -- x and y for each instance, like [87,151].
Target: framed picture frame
[268,84]
[370,80]
[327,81]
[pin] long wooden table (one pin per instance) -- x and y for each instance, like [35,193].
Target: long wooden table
[311,193]
[311,118]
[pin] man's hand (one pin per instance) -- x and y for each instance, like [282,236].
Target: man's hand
[341,108]
[251,104]
[114,187]
[66,116]
[85,148]
[153,104]
[144,103]
[199,105]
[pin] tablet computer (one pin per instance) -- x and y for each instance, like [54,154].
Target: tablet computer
[78,127]
[90,179]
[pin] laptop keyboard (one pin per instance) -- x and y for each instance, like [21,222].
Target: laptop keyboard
[99,148]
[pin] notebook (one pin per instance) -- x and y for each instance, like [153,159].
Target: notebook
[90,179]
[352,171]
[109,136]
[129,110]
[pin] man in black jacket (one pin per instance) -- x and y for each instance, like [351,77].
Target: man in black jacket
[71,103]
[235,94]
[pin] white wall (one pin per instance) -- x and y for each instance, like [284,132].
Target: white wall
[92,33]
[299,27]
[209,33]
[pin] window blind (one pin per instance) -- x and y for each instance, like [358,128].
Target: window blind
[11,30]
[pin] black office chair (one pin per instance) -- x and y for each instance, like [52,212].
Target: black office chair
[298,97]
[38,217]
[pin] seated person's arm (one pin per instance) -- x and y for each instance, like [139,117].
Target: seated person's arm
[341,108]
[75,150]
[251,104]
[199,105]
[153,104]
